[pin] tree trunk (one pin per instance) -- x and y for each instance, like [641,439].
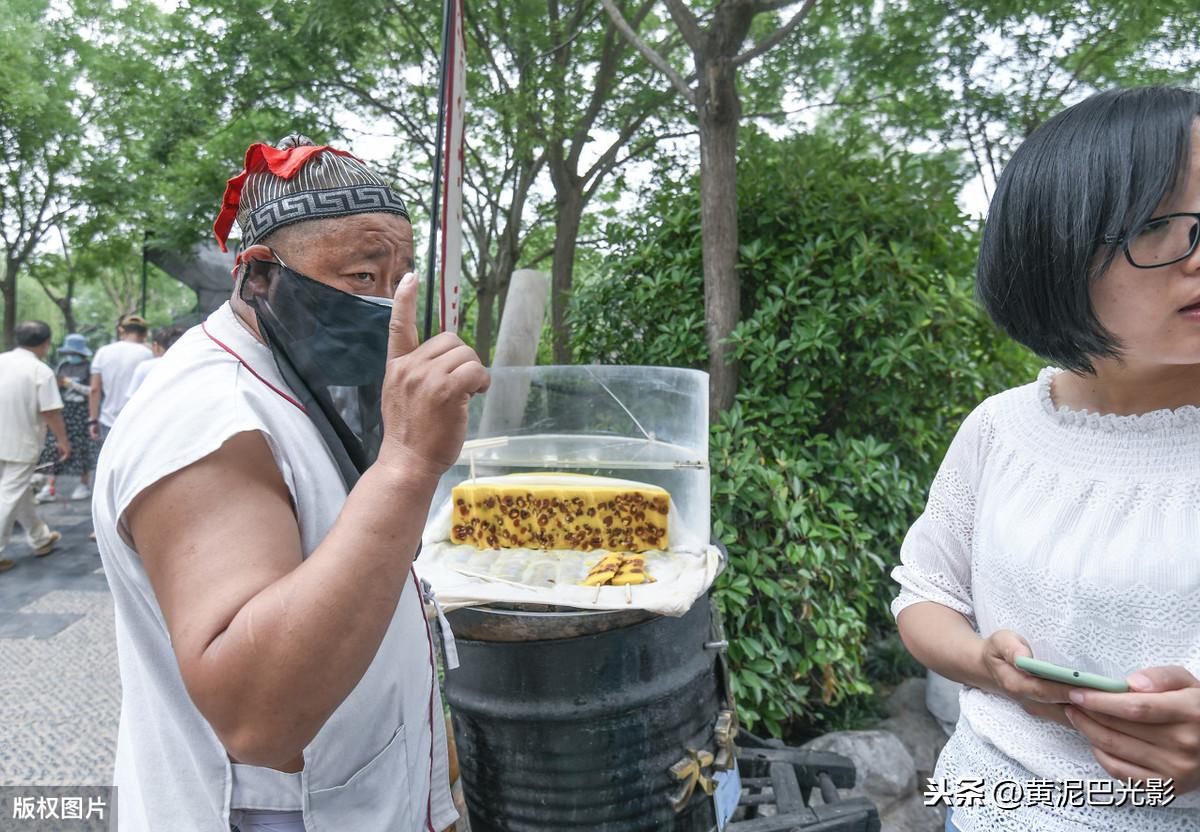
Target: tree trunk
[506,264]
[508,249]
[491,294]
[485,296]
[67,304]
[9,287]
[68,312]
[566,232]
[718,111]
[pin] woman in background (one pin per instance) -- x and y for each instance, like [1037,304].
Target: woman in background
[74,379]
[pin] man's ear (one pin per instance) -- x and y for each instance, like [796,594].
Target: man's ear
[244,258]
[257,252]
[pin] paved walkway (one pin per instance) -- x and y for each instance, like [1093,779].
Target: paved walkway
[60,692]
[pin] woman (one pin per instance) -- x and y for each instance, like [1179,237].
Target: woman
[1063,523]
[74,378]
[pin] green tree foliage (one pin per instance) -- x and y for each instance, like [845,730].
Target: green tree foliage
[979,76]
[862,350]
[44,147]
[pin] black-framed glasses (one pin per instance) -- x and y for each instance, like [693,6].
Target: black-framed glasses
[1160,241]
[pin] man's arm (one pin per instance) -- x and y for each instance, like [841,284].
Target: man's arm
[94,396]
[268,644]
[54,421]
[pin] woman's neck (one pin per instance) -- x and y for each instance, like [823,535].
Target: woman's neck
[1127,390]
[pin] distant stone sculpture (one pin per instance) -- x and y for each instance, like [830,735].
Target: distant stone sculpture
[206,269]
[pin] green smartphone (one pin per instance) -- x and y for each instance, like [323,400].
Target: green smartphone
[1056,673]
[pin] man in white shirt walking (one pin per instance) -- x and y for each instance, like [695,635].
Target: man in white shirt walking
[112,374]
[29,402]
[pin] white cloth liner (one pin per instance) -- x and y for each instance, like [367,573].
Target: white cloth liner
[464,576]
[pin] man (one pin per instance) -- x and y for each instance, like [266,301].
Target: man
[112,374]
[160,342]
[29,402]
[258,514]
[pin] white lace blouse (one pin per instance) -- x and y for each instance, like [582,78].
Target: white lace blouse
[1080,532]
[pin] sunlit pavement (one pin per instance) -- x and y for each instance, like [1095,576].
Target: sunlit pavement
[60,691]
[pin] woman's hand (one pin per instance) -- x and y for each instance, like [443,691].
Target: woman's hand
[1151,732]
[1039,697]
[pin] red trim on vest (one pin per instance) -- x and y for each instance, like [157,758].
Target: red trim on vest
[432,689]
[253,372]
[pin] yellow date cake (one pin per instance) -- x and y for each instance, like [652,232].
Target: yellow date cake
[559,512]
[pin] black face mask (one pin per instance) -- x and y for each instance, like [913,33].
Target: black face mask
[331,349]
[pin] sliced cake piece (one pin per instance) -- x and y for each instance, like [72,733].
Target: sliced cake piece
[559,511]
[632,571]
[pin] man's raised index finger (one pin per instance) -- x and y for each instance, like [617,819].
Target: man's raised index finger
[402,337]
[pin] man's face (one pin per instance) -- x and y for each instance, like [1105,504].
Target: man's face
[363,254]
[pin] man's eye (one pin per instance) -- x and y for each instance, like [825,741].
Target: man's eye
[365,277]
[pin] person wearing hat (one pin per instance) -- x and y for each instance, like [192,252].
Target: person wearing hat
[112,374]
[74,376]
[258,507]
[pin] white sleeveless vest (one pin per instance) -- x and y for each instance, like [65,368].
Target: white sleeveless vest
[379,763]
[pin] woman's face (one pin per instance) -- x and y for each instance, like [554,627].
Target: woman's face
[1155,313]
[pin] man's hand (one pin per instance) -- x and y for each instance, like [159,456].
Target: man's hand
[1039,697]
[54,421]
[1152,731]
[425,391]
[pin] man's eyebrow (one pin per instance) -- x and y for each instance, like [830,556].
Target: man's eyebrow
[374,253]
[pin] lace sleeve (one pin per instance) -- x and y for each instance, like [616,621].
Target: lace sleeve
[935,559]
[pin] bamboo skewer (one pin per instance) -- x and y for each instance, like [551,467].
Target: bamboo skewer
[481,576]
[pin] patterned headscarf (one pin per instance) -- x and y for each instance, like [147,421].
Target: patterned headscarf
[299,181]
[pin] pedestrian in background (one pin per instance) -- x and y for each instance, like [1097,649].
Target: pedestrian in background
[74,383]
[160,342]
[29,402]
[112,374]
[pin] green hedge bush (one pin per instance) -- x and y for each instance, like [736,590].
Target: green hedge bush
[861,349]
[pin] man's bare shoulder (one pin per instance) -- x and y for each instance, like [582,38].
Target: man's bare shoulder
[194,381]
[242,470]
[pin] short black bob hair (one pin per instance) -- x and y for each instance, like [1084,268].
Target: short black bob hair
[31,334]
[1100,167]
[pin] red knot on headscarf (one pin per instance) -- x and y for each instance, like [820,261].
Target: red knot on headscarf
[298,181]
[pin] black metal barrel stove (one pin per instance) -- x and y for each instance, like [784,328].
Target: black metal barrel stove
[617,722]
[607,721]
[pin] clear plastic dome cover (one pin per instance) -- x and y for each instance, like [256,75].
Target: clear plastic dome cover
[648,424]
